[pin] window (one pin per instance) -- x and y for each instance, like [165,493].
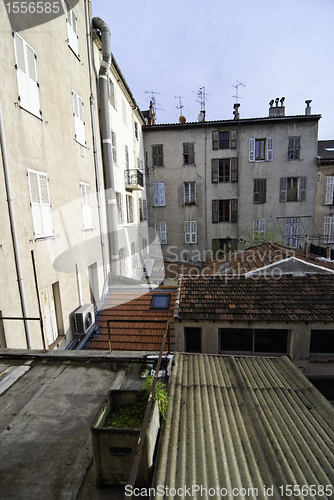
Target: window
[113,147]
[79,123]
[329,198]
[72,28]
[134,256]
[129,209]
[189,193]
[26,72]
[261,340]
[40,203]
[127,163]
[192,339]
[224,139]
[122,261]
[159,199]
[190,231]
[157,155]
[259,229]
[292,189]
[161,231]
[291,232]
[261,149]
[322,342]
[119,204]
[142,209]
[124,111]
[224,170]
[112,93]
[136,130]
[160,301]
[260,191]
[224,211]
[329,229]
[87,215]
[294,148]
[188,153]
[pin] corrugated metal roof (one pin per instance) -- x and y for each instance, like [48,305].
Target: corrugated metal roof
[244,422]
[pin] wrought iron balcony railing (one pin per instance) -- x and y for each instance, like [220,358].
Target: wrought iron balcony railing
[134,179]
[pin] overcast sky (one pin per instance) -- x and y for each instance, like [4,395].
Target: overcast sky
[274,48]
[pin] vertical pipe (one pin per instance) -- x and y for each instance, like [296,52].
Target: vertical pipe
[77,270]
[38,301]
[14,233]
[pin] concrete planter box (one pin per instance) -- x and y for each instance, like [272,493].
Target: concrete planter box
[114,448]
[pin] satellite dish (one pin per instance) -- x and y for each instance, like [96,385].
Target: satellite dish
[200,116]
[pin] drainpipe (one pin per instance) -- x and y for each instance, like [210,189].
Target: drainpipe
[14,233]
[77,271]
[94,137]
[111,207]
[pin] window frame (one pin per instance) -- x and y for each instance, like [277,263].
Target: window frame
[190,232]
[129,209]
[253,331]
[259,229]
[294,148]
[329,229]
[79,118]
[87,210]
[259,190]
[286,196]
[41,210]
[189,193]
[157,155]
[291,232]
[329,190]
[160,228]
[159,194]
[160,296]
[72,32]
[268,150]
[188,153]
[219,210]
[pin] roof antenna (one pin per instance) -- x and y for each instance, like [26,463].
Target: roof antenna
[201,96]
[153,100]
[182,118]
[237,91]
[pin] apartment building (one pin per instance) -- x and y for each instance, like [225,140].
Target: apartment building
[212,184]
[59,245]
[324,212]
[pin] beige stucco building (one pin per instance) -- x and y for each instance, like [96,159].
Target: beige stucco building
[213,184]
[53,194]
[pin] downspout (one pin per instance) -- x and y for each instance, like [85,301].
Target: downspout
[14,233]
[111,207]
[95,149]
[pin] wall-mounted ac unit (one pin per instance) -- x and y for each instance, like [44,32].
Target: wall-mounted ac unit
[84,318]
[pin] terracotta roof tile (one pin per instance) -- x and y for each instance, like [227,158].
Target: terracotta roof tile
[145,334]
[289,298]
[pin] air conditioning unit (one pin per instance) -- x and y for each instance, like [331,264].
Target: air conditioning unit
[84,318]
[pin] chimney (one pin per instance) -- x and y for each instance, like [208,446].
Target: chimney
[236,111]
[308,107]
[277,110]
[306,246]
[328,253]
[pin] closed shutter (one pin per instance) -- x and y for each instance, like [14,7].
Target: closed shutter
[259,228]
[193,231]
[214,169]
[72,28]
[215,139]
[302,189]
[156,197]
[234,210]
[270,149]
[291,232]
[234,169]
[79,124]
[215,211]
[162,194]
[329,190]
[40,203]
[283,189]
[25,58]
[186,192]
[113,147]
[187,231]
[233,139]
[251,154]
[256,192]
[86,206]
[329,229]
[161,231]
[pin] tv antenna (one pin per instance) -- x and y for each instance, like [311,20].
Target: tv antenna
[237,90]
[201,96]
[180,106]
[153,100]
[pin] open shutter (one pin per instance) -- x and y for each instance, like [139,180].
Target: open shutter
[256,193]
[25,58]
[302,189]
[329,190]
[162,194]
[187,231]
[233,139]
[186,192]
[234,210]
[79,124]
[251,154]
[214,170]
[270,149]
[291,232]
[263,190]
[192,192]
[72,28]
[215,139]
[113,146]
[215,211]
[191,153]
[234,169]
[35,202]
[283,189]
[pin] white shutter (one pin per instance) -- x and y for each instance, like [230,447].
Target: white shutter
[156,197]
[163,232]
[72,27]
[114,148]
[283,189]
[193,230]
[162,194]
[329,229]
[291,232]
[45,205]
[79,124]
[26,75]
[251,156]
[86,206]
[35,202]
[270,149]
[40,204]
[187,231]
[329,190]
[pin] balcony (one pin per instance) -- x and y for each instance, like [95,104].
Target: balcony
[134,180]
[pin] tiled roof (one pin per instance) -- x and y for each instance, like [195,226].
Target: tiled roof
[326,150]
[260,298]
[173,268]
[244,422]
[239,263]
[141,332]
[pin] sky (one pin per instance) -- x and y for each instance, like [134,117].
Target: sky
[267,48]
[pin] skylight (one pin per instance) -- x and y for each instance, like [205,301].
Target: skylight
[160,301]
